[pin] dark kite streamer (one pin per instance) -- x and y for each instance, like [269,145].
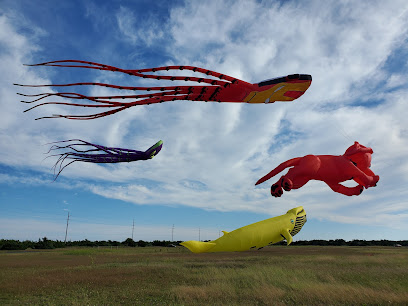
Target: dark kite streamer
[83,151]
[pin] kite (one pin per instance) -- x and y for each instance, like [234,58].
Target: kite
[353,165]
[80,150]
[256,235]
[216,87]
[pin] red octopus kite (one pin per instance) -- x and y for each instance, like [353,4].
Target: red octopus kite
[218,88]
[353,165]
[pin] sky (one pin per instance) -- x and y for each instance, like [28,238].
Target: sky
[203,180]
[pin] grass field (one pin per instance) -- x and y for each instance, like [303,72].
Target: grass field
[277,275]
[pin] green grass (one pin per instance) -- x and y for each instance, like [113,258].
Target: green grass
[278,275]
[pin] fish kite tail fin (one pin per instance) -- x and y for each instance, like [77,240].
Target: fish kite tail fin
[198,246]
[154,149]
[289,163]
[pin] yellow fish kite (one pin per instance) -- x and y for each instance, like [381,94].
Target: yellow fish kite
[256,235]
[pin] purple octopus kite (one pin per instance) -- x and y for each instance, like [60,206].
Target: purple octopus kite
[92,153]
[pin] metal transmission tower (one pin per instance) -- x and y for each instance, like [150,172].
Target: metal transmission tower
[133,227]
[66,229]
[172,232]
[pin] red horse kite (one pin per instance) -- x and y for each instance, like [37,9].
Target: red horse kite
[353,165]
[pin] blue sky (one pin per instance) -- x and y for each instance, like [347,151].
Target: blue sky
[202,181]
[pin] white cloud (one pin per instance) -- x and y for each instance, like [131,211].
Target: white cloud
[136,30]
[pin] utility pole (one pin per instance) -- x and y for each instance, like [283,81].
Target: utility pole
[66,230]
[133,227]
[199,234]
[172,232]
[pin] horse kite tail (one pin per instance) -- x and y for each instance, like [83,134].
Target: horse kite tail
[289,163]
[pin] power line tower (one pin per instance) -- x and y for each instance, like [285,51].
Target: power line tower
[133,227]
[66,229]
[172,232]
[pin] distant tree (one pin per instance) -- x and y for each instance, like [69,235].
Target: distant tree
[27,244]
[86,242]
[340,242]
[45,243]
[141,243]
[10,245]
[59,244]
[129,242]
[160,243]
[113,243]
[101,243]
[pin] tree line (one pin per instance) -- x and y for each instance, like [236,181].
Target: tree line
[45,243]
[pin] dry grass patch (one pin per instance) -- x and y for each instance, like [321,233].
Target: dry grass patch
[346,294]
[277,275]
[204,294]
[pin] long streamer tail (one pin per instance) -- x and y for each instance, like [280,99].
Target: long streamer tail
[207,89]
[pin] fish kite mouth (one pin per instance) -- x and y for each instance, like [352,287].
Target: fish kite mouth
[300,221]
